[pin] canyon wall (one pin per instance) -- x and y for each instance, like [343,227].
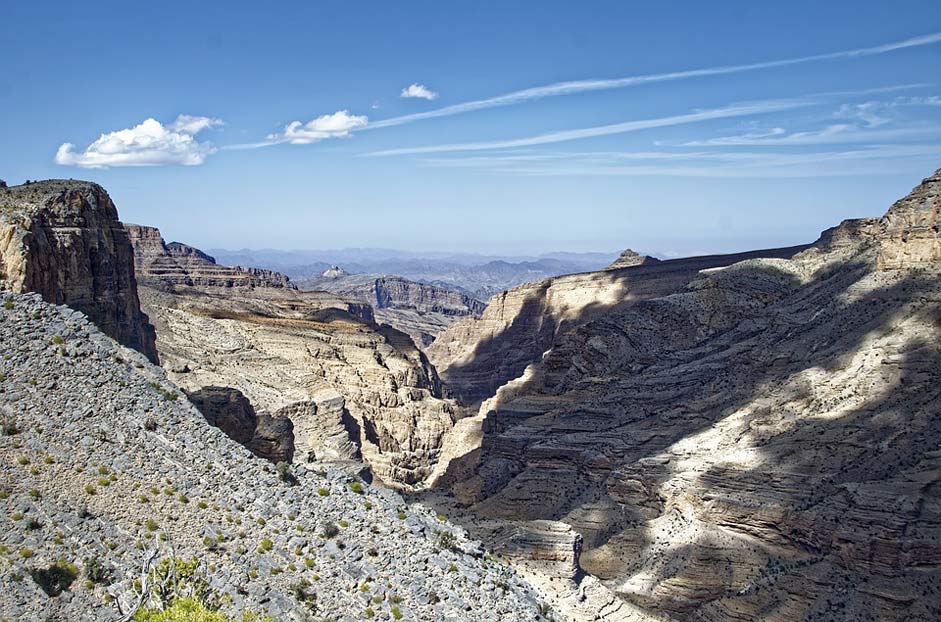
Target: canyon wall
[352,389]
[760,445]
[62,239]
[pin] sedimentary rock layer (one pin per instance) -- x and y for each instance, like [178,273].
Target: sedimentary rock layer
[62,239]
[762,445]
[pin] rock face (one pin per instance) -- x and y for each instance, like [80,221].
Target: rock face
[62,239]
[760,445]
[104,466]
[229,410]
[178,264]
[476,356]
[419,309]
[350,388]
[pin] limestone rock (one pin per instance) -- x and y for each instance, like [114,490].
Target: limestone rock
[754,441]
[227,409]
[273,439]
[62,239]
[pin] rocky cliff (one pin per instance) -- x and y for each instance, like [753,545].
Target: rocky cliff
[62,239]
[476,356]
[761,444]
[352,389]
[179,264]
[418,309]
[117,496]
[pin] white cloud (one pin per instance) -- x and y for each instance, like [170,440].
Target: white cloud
[419,91]
[581,86]
[336,125]
[147,144]
[737,110]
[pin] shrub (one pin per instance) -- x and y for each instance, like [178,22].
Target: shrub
[89,489]
[33,524]
[56,578]
[323,492]
[329,530]
[357,488]
[285,474]
[344,524]
[183,498]
[150,424]
[22,461]
[265,545]
[151,525]
[35,494]
[58,340]
[26,552]
[95,571]
[402,515]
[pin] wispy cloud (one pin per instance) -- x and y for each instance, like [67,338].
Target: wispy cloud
[418,91]
[737,110]
[581,86]
[148,144]
[337,125]
[838,133]
[878,159]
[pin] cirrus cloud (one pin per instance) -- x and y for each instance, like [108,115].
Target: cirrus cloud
[149,143]
[418,91]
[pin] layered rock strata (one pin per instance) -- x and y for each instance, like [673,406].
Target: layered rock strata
[351,388]
[62,239]
[761,445]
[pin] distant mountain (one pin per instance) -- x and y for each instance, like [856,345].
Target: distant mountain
[479,276]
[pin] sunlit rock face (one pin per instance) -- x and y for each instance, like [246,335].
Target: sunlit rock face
[761,443]
[351,389]
[62,239]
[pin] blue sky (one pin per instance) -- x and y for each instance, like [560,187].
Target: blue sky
[493,127]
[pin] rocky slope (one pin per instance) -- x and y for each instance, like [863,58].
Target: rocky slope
[418,309]
[760,445]
[62,239]
[111,482]
[351,389]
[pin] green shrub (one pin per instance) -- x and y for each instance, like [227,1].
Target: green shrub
[151,525]
[89,489]
[58,340]
[323,492]
[285,474]
[265,545]
[357,488]
[95,571]
[186,609]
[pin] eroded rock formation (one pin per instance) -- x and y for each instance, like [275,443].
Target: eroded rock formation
[419,309]
[62,239]
[760,444]
[351,388]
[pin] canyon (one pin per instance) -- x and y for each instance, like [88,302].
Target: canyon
[751,436]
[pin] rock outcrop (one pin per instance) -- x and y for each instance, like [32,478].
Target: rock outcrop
[476,356]
[761,444]
[108,475]
[62,239]
[351,388]
[629,259]
[271,438]
[178,264]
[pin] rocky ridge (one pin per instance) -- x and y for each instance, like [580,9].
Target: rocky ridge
[761,444]
[62,239]
[107,470]
[420,310]
[351,389]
